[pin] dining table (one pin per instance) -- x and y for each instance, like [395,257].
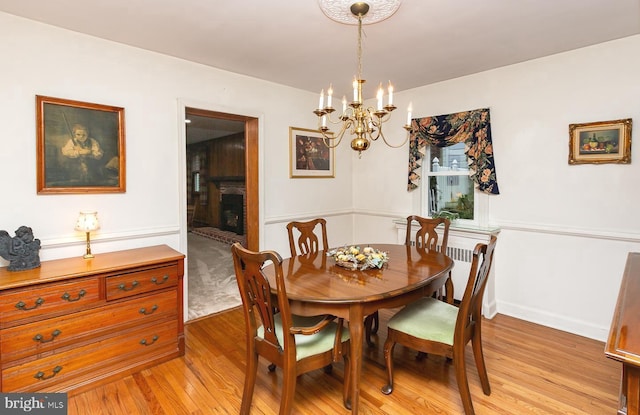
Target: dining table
[315,284]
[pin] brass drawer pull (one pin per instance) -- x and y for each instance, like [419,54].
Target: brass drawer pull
[144,341]
[22,306]
[41,375]
[144,310]
[164,279]
[40,338]
[67,296]
[123,287]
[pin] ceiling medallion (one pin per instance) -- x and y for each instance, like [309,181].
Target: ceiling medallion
[341,10]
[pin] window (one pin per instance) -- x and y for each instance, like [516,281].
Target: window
[446,184]
[196,182]
[195,172]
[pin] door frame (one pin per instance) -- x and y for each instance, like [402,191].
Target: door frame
[251,168]
[253,132]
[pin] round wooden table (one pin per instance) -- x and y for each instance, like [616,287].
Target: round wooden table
[316,285]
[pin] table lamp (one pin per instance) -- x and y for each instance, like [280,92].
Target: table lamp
[87,222]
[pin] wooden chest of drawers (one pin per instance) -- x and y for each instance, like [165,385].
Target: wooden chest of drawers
[74,323]
[623,343]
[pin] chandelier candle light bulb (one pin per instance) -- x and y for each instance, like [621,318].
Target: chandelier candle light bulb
[355,90]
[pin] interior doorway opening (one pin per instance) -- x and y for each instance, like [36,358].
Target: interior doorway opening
[221,198]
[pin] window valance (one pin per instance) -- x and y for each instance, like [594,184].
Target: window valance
[471,127]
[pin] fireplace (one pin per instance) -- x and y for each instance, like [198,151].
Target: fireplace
[232,213]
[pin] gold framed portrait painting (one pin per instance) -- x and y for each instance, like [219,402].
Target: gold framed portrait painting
[80,147]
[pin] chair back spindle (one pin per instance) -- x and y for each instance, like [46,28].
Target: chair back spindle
[307,241]
[426,236]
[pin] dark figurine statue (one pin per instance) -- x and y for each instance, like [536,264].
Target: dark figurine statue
[21,251]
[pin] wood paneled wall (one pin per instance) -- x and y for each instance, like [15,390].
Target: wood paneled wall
[226,159]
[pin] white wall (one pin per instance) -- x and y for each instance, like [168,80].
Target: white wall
[566,230]
[38,59]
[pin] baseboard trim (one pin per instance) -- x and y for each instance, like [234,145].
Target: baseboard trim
[556,321]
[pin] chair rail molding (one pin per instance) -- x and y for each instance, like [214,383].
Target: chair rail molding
[568,231]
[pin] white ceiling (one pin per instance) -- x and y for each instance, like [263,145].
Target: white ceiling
[293,43]
[201,128]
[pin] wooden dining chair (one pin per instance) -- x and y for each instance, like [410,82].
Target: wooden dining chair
[192,211]
[294,343]
[307,241]
[433,326]
[426,237]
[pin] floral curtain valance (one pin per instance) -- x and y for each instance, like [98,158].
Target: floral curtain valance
[470,127]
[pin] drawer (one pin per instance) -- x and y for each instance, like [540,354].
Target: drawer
[43,337]
[45,300]
[127,349]
[134,283]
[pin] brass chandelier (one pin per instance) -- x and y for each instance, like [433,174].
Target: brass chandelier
[364,123]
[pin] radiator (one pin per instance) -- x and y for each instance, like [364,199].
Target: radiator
[454,252]
[459,254]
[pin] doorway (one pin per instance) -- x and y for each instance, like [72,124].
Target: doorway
[223,124]
[222,163]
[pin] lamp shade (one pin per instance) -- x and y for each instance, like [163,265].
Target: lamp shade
[87,222]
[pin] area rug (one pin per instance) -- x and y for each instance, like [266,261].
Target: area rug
[220,235]
[212,281]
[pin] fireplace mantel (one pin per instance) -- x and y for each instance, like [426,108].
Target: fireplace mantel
[220,179]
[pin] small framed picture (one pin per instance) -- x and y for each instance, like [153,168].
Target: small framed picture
[80,147]
[309,156]
[600,142]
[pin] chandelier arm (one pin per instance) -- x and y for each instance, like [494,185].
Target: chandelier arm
[333,142]
[376,127]
[381,134]
[376,121]
[340,119]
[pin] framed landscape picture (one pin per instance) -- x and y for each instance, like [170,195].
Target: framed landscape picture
[600,142]
[308,154]
[80,147]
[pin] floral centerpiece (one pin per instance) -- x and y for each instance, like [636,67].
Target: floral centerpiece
[353,257]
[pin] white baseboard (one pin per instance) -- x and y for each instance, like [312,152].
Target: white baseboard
[489,309]
[556,321]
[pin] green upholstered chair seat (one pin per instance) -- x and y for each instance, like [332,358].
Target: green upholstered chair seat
[309,345]
[428,319]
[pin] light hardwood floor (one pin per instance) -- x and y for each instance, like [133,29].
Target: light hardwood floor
[532,370]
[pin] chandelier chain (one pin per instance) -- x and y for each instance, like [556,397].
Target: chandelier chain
[359,46]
